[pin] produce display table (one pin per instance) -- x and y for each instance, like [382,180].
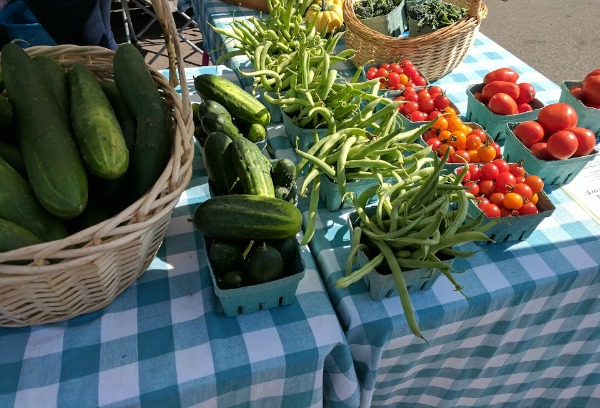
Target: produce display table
[164,343]
[527,335]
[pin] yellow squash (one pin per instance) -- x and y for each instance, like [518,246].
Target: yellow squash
[328,14]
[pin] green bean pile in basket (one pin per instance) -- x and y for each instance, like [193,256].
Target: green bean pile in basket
[418,221]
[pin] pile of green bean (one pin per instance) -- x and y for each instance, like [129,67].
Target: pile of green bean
[277,44]
[417,223]
[374,147]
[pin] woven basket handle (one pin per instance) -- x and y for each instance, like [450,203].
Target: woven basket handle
[167,23]
[474,9]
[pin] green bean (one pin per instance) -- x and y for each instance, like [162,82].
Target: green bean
[310,176]
[325,168]
[265,72]
[341,171]
[313,206]
[331,77]
[357,275]
[454,253]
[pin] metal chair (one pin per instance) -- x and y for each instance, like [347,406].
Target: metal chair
[132,35]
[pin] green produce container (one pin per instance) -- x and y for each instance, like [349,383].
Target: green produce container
[514,228]
[493,123]
[305,137]
[552,172]
[383,286]
[587,117]
[330,193]
[393,24]
[249,299]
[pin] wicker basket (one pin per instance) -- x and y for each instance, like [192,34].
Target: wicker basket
[435,54]
[84,272]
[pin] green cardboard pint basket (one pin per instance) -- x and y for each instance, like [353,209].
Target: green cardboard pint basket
[587,117]
[249,299]
[493,123]
[552,172]
[330,193]
[274,110]
[382,286]
[304,137]
[514,228]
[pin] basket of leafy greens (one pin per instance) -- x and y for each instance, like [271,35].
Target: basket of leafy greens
[432,15]
[384,16]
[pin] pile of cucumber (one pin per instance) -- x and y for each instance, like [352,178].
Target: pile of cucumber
[251,222]
[75,150]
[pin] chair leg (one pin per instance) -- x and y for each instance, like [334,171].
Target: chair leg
[128,25]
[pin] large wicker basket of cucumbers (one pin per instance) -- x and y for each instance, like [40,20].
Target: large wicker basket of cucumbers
[103,150]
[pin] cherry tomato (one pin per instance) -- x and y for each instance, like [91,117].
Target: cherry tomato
[540,150]
[523,190]
[505,182]
[496,198]
[384,65]
[411,71]
[576,92]
[473,141]
[434,114]
[411,95]
[524,107]
[441,102]
[481,201]
[528,208]
[486,153]
[503,104]
[434,143]
[557,116]
[395,67]
[512,201]
[562,144]
[517,169]
[419,80]
[393,80]
[435,89]
[410,107]
[491,210]
[526,93]
[404,79]
[501,164]
[458,139]
[440,124]
[405,62]
[417,116]
[371,72]
[586,140]
[487,187]
[501,74]
[442,150]
[498,149]
[461,156]
[472,187]
[535,182]
[529,132]
[489,171]
[429,134]
[534,198]
[474,156]
[426,105]
[505,212]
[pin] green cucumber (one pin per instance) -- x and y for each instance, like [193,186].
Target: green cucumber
[6,116]
[18,204]
[284,173]
[256,133]
[244,217]
[218,163]
[213,106]
[54,166]
[95,126]
[215,122]
[14,236]
[265,264]
[123,114]
[225,257]
[239,103]
[57,81]
[252,168]
[153,142]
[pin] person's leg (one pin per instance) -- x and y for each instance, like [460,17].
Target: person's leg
[73,21]
[105,7]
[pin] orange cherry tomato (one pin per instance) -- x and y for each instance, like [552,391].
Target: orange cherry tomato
[473,141]
[513,201]
[486,153]
[534,198]
[473,155]
[458,139]
[445,136]
[440,124]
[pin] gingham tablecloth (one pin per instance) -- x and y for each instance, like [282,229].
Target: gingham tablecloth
[528,335]
[164,343]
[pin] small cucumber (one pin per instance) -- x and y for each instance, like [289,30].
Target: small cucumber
[95,126]
[256,133]
[13,236]
[153,142]
[213,106]
[54,166]
[225,257]
[265,264]
[284,173]
[123,114]
[215,122]
[252,168]
[218,163]
[12,155]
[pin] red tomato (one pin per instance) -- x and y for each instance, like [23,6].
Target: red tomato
[505,182]
[590,88]
[586,140]
[429,134]
[435,89]
[529,132]
[481,201]
[434,143]
[557,116]
[501,74]
[411,95]
[393,80]
[540,150]
[410,107]
[479,97]
[472,187]
[494,87]
[434,114]
[385,65]
[441,102]
[411,71]
[497,148]
[395,67]
[517,169]
[381,73]
[524,107]
[371,73]
[528,208]
[526,93]
[417,116]
[426,105]
[576,92]
[496,198]
[461,156]
[503,104]
[419,80]
[501,164]
[491,210]
[523,190]
[474,172]
[562,144]
[489,171]
[535,182]
[487,187]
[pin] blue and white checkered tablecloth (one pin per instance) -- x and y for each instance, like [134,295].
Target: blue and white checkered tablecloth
[528,335]
[164,343]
